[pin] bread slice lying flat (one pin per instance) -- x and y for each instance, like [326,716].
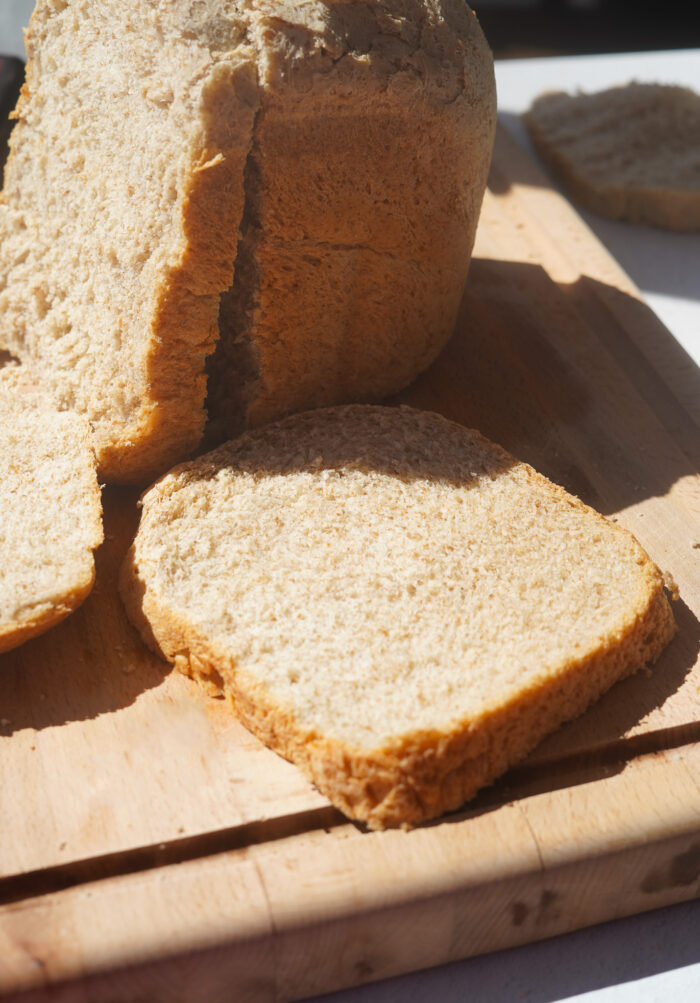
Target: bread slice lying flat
[631,152]
[321,164]
[390,601]
[50,512]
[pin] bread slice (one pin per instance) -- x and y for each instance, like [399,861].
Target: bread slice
[631,152]
[390,601]
[50,511]
[322,164]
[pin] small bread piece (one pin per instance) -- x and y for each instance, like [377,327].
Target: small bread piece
[390,601]
[298,183]
[50,511]
[631,152]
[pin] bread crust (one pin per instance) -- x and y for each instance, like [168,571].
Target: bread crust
[289,119]
[42,616]
[413,776]
[361,211]
[424,775]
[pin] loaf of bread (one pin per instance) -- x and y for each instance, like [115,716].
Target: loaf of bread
[631,152]
[295,184]
[390,601]
[50,511]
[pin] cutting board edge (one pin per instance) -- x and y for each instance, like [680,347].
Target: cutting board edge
[326,942]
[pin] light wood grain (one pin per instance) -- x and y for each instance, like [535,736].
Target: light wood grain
[150,848]
[284,920]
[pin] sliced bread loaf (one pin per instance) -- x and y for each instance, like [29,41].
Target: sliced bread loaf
[322,164]
[50,511]
[631,152]
[390,600]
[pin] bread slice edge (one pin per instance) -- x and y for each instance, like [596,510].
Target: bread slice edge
[416,776]
[676,209]
[19,390]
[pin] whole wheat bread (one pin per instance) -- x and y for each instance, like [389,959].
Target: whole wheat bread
[631,152]
[390,600]
[50,511]
[321,164]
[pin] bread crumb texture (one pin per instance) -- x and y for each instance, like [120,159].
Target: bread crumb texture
[50,512]
[631,152]
[322,162]
[390,600]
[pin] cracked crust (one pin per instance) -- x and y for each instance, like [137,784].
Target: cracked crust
[497,651]
[363,191]
[320,166]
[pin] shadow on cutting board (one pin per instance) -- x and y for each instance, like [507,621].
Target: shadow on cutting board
[583,382]
[92,663]
[556,375]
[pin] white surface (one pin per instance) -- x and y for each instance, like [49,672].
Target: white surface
[654,958]
[14,15]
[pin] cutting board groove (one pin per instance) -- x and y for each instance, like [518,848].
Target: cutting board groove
[48,880]
[522,781]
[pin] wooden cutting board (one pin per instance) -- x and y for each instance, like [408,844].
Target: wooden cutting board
[151,849]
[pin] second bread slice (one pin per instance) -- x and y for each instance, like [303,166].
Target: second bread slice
[50,511]
[390,600]
[630,152]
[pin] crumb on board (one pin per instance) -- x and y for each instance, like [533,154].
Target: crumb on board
[670,584]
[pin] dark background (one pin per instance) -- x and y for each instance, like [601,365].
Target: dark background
[578,27]
[521,29]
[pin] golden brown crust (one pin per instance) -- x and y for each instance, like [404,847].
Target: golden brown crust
[38,620]
[342,93]
[364,188]
[422,776]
